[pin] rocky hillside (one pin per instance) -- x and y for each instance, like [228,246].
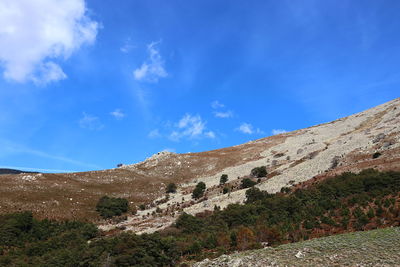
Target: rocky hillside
[369,139]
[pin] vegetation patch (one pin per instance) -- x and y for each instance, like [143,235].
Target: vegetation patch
[345,203]
[109,206]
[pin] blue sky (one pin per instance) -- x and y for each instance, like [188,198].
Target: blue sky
[89,84]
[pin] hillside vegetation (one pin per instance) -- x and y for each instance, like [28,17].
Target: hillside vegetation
[344,203]
[370,248]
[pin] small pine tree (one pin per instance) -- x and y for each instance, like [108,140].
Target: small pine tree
[223,179]
[198,192]
[171,188]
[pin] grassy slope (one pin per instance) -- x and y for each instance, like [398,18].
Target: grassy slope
[379,247]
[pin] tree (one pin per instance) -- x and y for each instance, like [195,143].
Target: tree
[247,182]
[245,238]
[253,194]
[171,188]
[109,206]
[198,192]
[225,190]
[259,172]
[223,179]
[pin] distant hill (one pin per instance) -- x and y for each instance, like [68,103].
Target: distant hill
[12,171]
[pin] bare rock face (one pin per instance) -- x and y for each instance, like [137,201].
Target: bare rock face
[347,144]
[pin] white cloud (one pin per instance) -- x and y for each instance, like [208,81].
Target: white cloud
[278,131]
[210,134]
[90,122]
[216,104]
[247,128]
[118,114]
[154,134]
[191,127]
[152,69]
[36,33]
[48,72]
[126,48]
[224,115]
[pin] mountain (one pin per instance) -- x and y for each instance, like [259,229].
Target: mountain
[369,139]
[12,171]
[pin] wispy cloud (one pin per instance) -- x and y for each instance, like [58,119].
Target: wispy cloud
[118,114]
[153,68]
[34,169]
[278,131]
[35,34]
[191,127]
[127,47]
[223,114]
[9,147]
[154,134]
[247,128]
[90,122]
[216,104]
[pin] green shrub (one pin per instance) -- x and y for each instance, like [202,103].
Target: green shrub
[259,172]
[171,188]
[188,223]
[247,182]
[198,192]
[225,190]
[109,206]
[223,179]
[376,155]
[254,194]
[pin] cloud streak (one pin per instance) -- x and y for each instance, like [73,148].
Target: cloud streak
[34,169]
[118,114]
[278,131]
[35,34]
[223,115]
[247,128]
[90,122]
[191,127]
[216,104]
[13,148]
[153,68]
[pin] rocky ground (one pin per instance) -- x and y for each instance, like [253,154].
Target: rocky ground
[371,248]
[347,144]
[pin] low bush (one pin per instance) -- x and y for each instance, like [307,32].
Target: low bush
[259,172]
[109,206]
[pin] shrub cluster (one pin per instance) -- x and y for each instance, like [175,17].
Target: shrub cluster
[198,191]
[347,202]
[109,206]
[259,172]
[223,179]
[171,188]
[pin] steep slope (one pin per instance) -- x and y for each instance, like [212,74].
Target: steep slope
[347,144]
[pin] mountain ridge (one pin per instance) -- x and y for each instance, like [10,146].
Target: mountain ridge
[346,144]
